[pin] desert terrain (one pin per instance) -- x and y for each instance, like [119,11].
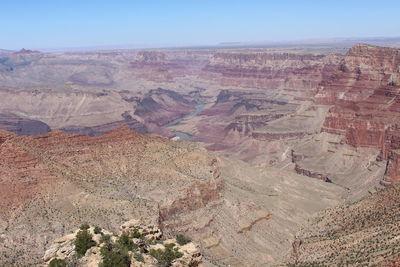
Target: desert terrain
[282,156]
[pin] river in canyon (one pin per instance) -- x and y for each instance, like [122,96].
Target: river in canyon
[199,108]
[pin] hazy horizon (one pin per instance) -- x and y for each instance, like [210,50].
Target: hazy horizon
[73,24]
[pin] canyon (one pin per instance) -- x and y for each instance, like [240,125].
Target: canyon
[282,148]
[51,183]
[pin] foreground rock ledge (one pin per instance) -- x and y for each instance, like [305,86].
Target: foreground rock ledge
[145,237]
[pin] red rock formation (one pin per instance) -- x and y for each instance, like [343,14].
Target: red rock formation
[393,167]
[29,163]
[22,175]
[364,94]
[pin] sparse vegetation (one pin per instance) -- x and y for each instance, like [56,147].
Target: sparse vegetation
[114,256]
[136,233]
[58,263]
[138,257]
[97,230]
[125,242]
[121,250]
[167,255]
[182,239]
[84,226]
[117,254]
[373,222]
[105,239]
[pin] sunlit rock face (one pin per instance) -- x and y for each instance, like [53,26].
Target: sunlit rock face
[268,70]
[364,98]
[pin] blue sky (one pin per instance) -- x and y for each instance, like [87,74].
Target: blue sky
[71,23]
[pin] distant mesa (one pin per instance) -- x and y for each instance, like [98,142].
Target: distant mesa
[27,51]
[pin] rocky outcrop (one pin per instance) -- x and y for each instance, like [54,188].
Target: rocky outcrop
[145,239]
[392,173]
[313,174]
[198,196]
[270,136]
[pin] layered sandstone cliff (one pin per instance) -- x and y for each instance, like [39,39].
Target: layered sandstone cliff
[364,97]
[269,70]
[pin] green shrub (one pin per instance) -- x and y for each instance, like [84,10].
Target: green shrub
[136,233]
[167,255]
[126,243]
[182,240]
[114,256]
[57,263]
[138,257]
[105,239]
[83,242]
[97,230]
[84,226]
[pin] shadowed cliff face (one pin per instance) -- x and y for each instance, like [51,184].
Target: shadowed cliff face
[163,106]
[22,126]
